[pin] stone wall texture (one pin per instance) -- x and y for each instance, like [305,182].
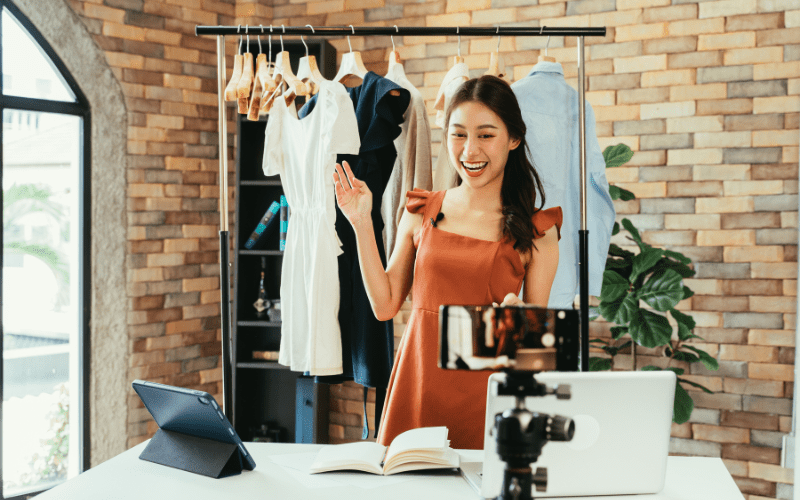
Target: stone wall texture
[705,92]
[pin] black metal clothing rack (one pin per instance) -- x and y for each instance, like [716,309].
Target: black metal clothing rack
[325,31]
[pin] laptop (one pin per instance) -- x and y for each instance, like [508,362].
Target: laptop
[621,442]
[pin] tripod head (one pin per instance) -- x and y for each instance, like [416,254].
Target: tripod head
[520,434]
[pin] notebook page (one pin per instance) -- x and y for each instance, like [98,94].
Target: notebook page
[363,456]
[425,438]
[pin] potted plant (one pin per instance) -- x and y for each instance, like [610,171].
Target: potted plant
[639,294]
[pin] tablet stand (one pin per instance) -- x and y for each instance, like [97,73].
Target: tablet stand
[193,454]
[520,435]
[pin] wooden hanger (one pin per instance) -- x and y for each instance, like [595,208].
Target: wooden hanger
[308,71]
[268,96]
[283,72]
[545,57]
[262,83]
[352,64]
[238,62]
[496,67]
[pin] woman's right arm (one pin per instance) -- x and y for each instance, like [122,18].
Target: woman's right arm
[386,289]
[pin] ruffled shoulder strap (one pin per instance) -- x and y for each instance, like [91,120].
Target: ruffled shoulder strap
[545,219]
[421,201]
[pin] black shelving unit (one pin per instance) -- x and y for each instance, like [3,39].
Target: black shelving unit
[265,392]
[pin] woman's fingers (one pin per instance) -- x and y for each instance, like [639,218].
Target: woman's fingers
[350,177]
[339,179]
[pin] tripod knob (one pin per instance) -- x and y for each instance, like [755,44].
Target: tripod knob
[563,391]
[540,479]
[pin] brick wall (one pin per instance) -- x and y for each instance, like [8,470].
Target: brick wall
[168,76]
[705,93]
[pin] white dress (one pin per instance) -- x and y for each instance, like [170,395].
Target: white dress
[304,153]
[444,174]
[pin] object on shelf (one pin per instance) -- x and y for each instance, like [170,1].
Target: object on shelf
[262,303]
[284,222]
[268,433]
[266,355]
[274,312]
[266,222]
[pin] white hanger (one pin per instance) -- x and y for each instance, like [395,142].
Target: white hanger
[352,64]
[394,56]
[458,59]
[545,57]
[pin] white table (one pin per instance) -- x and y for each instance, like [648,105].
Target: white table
[127,477]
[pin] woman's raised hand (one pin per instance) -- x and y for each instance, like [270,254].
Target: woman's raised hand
[352,195]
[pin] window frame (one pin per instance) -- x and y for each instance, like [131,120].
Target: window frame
[82,109]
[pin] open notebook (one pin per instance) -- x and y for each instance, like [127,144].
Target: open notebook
[417,449]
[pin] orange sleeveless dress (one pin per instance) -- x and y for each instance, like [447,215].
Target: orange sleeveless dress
[449,269]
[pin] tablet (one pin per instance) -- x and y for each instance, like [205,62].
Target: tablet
[195,413]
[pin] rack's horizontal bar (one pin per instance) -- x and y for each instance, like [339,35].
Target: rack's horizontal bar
[400,31]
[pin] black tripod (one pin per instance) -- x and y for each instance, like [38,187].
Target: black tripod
[521,434]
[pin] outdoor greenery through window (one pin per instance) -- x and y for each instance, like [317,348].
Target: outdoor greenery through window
[42,321]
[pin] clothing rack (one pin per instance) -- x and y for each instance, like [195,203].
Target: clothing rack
[324,31]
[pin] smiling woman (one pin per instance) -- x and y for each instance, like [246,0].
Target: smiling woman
[470,245]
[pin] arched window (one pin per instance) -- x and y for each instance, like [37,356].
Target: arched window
[44,162]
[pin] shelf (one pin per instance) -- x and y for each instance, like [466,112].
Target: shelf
[261,183]
[276,253]
[262,365]
[258,323]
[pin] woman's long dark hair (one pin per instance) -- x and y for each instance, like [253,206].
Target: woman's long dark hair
[521,187]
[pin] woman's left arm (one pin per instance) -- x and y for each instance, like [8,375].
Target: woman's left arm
[541,269]
[540,273]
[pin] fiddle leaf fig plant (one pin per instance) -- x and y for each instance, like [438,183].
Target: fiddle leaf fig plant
[639,294]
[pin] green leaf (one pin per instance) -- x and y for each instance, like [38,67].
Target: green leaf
[618,264]
[677,256]
[616,251]
[618,331]
[614,286]
[626,195]
[695,384]
[613,191]
[663,290]
[621,310]
[687,292]
[628,225]
[685,325]
[683,319]
[644,261]
[618,155]
[678,371]
[650,329]
[615,230]
[650,368]
[599,364]
[682,269]
[615,349]
[682,409]
[686,357]
[705,358]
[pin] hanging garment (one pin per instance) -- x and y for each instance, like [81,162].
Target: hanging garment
[304,152]
[550,111]
[413,165]
[445,176]
[449,269]
[367,344]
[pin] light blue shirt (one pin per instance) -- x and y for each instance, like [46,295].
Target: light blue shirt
[550,110]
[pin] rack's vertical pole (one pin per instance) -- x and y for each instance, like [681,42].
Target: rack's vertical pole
[583,233]
[224,240]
